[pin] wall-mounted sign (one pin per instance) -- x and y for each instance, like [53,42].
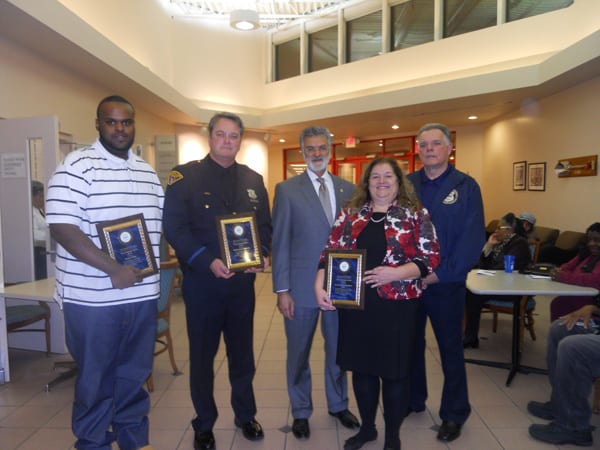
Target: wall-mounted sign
[582,166]
[13,165]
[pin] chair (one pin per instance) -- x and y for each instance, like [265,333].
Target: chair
[497,306]
[534,250]
[491,227]
[20,316]
[168,271]
[565,248]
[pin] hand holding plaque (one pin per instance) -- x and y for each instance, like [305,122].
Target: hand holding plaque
[344,277]
[239,241]
[126,241]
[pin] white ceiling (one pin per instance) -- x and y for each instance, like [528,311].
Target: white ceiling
[25,30]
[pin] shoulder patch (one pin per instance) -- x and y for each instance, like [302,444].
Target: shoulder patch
[451,198]
[174,177]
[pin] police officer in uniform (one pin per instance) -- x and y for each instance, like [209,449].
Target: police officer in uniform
[217,300]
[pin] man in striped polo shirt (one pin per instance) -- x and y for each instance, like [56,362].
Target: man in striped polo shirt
[109,308]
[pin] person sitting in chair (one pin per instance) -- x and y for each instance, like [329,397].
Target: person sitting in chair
[528,221]
[508,239]
[583,270]
[573,357]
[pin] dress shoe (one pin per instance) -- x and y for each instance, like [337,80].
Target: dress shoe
[541,410]
[470,343]
[204,440]
[360,439]
[251,429]
[301,429]
[556,434]
[346,418]
[449,431]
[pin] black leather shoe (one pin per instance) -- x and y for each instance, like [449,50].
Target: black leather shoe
[251,429]
[360,439]
[346,418]
[301,429]
[204,440]
[449,431]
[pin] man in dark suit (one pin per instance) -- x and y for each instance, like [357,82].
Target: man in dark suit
[303,212]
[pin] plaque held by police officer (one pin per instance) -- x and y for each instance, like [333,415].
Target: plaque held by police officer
[344,273]
[239,241]
[126,241]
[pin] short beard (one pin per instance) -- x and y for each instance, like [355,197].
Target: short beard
[114,150]
[323,163]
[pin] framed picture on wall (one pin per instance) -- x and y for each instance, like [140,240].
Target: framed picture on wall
[519,175]
[536,177]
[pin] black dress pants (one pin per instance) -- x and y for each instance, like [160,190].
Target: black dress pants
[215,306]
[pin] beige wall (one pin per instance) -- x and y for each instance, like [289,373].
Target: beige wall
[140,27]
[561,126]
[32,86]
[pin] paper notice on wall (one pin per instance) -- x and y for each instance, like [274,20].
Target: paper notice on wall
[13,165]
[166,155]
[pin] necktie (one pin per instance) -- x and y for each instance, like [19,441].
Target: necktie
[324,198]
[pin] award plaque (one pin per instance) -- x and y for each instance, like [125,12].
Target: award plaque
[126,240]
[344,277]
[239,241]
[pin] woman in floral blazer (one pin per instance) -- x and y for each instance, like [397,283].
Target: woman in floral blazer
[384,217]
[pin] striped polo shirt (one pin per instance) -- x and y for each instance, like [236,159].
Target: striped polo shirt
[90,186]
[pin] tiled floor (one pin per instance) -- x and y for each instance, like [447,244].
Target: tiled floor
[31,419]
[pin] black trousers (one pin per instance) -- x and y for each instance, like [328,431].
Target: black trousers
[215,307]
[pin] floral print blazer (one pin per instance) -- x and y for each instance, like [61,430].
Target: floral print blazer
[410,237]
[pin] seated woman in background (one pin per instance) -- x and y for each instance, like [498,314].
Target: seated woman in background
[583,270]
[528,221]
[509,238]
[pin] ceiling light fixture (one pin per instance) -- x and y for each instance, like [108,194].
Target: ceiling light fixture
[244,19]
[473,117]
[395,127]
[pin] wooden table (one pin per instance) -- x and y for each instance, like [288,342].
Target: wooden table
[521,286]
